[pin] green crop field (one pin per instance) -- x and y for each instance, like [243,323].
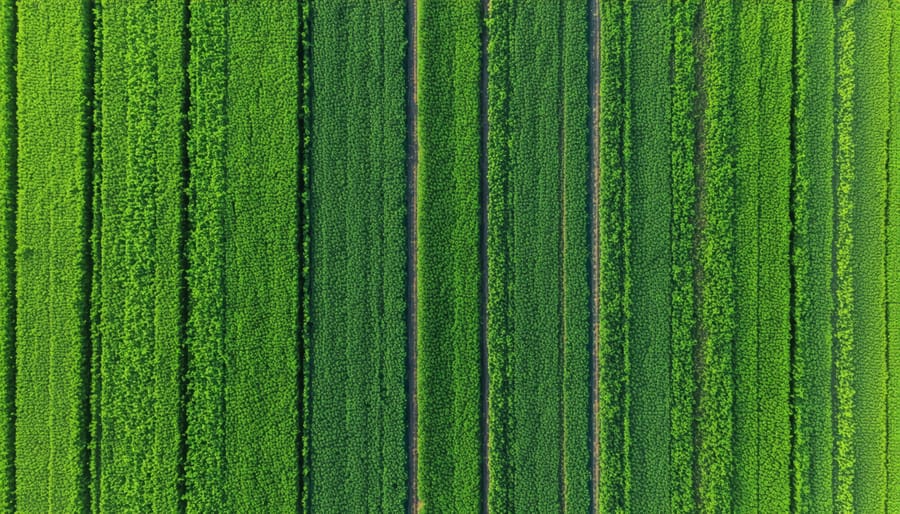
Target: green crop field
[436,256]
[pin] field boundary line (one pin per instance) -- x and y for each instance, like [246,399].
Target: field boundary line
[483,254]
[412,377]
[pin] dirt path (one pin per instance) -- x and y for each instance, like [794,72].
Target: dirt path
[594,218]
[482,251]
[412,109]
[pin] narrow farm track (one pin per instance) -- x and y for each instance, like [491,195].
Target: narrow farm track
[8,187]
[813,211]
[53,266]
[96,386]
[412,252]
[138,298]
[358,252]
[448,267]
[303,64]
[483,195]
[594,220]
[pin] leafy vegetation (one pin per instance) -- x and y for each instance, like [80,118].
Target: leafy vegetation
[867,58]
[811,259]
[358,252]
[614,395]
[449,314]
[138,282]
[683,307]
[243,267]
[8,180]
[774,222]
[538,233]
[53,266]
[715,254]
[748,253]
[249,256]
[648,278]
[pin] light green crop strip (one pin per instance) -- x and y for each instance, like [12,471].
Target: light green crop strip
[813,211]
[449,355]
[868,190]
[52,258]
[8,180]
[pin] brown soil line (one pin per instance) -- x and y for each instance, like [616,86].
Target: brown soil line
[482,251]
[412,70]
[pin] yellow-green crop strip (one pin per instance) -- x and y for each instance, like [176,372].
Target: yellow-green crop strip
[137,296]
[774,222]
[8,180]
[868,129]
[683,311]
[716,259]
[53,269]
[243,269]
[813,215]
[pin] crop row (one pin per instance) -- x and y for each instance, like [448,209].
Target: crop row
[7,252]
[538,332]
[811,259]
[449,267]
[762,93]
[52,267]
[242,262]
[358,254]
[715,257]
[137,279]
[866,26]
[613,350]
[683,306]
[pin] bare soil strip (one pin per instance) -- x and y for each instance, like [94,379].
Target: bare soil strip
[482,255]
[412,117]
